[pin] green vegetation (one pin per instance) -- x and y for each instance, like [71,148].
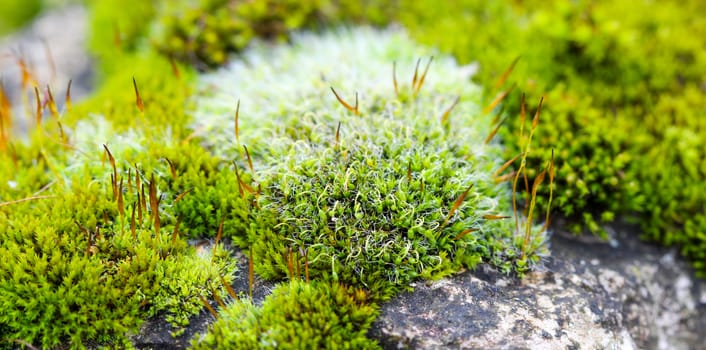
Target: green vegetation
[603,67]
[77,267]
[337,162]
[405,180]
[297,315]
[91,238]
[398,186]
[16,13]
[205,32]
[625,92]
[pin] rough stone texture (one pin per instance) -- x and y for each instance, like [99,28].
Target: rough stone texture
[63,31]
[589,295]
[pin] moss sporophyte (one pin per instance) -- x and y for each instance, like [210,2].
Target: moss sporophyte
[625,90]
[357,177]
[328,168]
[379,181]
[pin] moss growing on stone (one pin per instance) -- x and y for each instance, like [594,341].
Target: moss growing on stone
[399,187]
[89,227]
[297,315]
[624,83]
[79,273]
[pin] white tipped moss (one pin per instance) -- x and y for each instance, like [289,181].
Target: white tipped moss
[382,186]
[279,86]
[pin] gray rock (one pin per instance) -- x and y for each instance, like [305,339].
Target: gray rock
[587,296]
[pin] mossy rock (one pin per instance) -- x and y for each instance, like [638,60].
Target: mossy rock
[297,315]
[624,87]
[369,195]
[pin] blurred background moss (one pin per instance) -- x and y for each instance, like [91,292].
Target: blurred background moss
[16,13]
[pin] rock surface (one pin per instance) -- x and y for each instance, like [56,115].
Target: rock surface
[589,296]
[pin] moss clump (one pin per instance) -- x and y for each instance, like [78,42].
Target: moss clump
[208,32]
[672,173]
[205,32]
[395,190]
[297,315]
[89,227]
[624,83]
[83,271]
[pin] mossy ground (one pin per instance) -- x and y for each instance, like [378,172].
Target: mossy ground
[361,188]
[625,95]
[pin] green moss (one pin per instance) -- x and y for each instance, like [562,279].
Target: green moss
[16,13]
[78,272]
[372,199]
[53,288]
[623,83]
[205,32]
[375,206]
[85,260]
[187,279]
[672,173]
[297,315]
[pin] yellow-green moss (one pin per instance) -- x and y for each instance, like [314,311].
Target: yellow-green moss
[205,32]
[75,268]
[85,262]
[624,87]
[297,315]
[16,13]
